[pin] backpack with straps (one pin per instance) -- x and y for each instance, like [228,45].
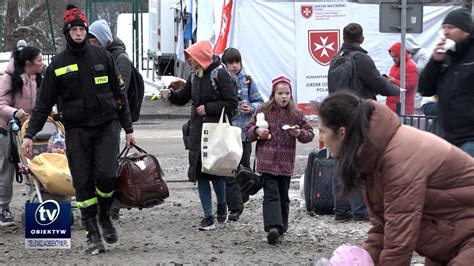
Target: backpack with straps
[342,73]
[234,78]
[136,89]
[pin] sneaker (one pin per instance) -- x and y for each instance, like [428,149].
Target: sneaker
[234,215]
[207,224]
[364,218]
[221,213]
[342,218]
[273,236]
[6,218]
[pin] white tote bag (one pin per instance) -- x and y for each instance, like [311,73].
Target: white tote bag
[221,147]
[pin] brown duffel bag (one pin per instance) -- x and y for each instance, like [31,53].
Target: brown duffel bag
[140,180]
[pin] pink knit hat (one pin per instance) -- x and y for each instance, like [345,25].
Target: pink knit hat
[350,255]
[201,52]
[279,79]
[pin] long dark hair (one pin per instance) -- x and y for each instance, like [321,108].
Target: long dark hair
[345,109]
[19,62]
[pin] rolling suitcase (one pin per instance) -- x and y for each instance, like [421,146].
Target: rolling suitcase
[319,173]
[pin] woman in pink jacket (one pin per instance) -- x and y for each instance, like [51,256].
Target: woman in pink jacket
[18,90]
[418,187]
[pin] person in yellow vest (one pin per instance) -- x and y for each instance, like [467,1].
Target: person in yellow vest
[93,107]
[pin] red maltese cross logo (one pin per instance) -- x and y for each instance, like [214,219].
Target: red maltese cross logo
[322,45]
[306,11]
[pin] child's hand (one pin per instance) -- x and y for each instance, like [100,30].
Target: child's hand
[295,131]
[201,110]
[263,133]
[244,107]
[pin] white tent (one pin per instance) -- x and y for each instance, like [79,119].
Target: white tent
[273,37]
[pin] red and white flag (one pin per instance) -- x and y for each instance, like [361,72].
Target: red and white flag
[221,43]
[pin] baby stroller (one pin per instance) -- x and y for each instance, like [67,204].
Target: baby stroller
[44,185]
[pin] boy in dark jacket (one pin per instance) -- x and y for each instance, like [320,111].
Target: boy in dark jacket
[249,101]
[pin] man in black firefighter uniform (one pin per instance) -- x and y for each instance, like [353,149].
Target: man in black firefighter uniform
[93,106]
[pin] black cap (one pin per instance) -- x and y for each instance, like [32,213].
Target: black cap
[459,18]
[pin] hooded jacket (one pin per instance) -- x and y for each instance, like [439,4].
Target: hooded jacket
[419,55]
[419,192]
[201,52]
[373,82]
[10,103]
[101,30]
[200,91]
[411,77]
[452,80]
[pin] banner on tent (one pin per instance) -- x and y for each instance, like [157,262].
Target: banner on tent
[319,37]
[221,43]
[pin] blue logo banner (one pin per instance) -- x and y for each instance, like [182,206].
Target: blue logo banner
[48,225]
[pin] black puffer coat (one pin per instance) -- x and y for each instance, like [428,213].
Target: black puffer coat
[201,92]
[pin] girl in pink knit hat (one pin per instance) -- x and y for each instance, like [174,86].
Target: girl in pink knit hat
[285,124]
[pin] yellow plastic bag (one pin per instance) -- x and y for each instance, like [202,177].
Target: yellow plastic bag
[52,171]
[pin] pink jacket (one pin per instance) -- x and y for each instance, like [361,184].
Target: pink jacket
[419,193]
[10,103]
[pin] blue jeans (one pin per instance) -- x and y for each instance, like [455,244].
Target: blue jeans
[354,202]
[204,189]
[468,147]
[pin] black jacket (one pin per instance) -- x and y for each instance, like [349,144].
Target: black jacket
[453,81]
[201,92]
[370,77]
[86,83]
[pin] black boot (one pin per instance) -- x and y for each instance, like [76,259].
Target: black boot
[221,213]
[94,242]
[108,230]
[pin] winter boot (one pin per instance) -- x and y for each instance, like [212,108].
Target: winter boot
[108,230]
[95,245]
[273,235]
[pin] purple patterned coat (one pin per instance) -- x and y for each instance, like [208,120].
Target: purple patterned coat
[276,156]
